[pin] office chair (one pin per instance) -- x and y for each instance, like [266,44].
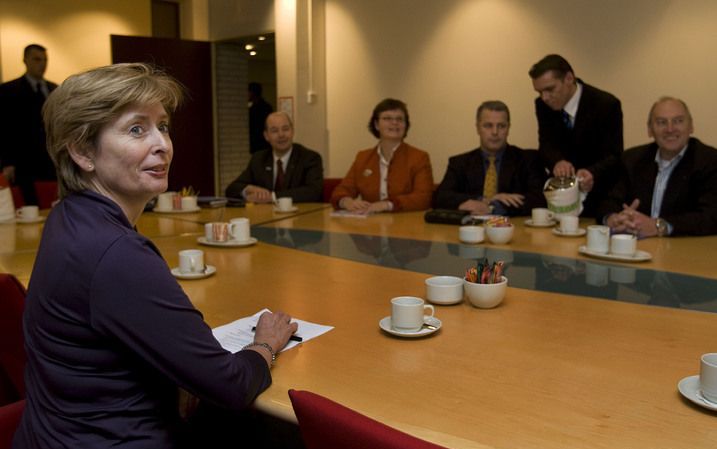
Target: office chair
[325,424]
[12,351]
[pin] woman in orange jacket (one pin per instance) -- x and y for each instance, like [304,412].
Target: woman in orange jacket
[392,176]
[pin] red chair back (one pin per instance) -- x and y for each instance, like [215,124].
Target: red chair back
[329,186]
[325,424]
[46,192]
[10,416]
[12,350]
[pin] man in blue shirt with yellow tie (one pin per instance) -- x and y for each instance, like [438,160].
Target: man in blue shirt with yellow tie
[496,178]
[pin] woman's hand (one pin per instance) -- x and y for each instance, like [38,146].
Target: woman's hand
[354,205]
[273,329]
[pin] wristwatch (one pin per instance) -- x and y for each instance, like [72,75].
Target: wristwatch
[661,226]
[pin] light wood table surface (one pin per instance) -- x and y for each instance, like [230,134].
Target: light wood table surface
[542,370]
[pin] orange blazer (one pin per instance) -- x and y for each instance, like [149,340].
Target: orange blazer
[409,183]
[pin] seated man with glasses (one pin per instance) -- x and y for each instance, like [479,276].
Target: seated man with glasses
[668,187]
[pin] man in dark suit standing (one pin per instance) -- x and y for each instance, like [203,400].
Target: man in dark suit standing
[669,186]
[286,170]
[496,178]
[23,154]
[579,128]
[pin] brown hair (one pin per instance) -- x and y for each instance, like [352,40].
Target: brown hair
[77,110]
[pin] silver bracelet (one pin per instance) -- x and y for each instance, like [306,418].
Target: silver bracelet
[265,346]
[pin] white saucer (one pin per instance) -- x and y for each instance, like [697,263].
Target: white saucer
[228,244]
[475,242]
[529,222]
[8,221]
[579,233]
[210,270]
[176,211]
[29,221]
[639,256]
[385,324]
[287,211]
[690,388]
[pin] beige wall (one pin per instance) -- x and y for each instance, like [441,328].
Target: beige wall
[445,57]
[76,33]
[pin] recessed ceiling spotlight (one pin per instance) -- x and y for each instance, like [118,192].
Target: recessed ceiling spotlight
[248,47]
[252,53]
[262,38]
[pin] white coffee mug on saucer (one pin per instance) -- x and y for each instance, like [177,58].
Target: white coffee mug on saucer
[541,216]
[569,224]
[191,261]
[284,203]
[708,376]
[28,213]
[623,245]
[240,229]
[164,201]
[598,239]
[407,313]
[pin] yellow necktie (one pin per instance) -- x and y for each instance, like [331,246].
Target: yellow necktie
[490,185]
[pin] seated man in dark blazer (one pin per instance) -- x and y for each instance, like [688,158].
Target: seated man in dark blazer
[667,187]
[287,169]
[495,178]
[579,129]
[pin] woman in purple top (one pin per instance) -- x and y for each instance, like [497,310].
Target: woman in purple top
[109,334]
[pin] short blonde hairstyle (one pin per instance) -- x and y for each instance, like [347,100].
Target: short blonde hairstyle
[83,104]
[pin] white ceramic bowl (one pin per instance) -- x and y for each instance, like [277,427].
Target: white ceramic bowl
[444,289]
[499,234]
[471,234]
[486,296]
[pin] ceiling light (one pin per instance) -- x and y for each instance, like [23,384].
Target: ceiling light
[252,53]
[248,47]
[262,38]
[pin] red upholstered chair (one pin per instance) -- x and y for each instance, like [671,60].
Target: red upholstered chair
[9,420]
[324,424]
[329,186]
[46,192]
[12,350]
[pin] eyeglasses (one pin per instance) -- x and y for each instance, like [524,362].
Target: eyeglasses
[389,118]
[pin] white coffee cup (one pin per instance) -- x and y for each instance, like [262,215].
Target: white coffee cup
[708,376]
[191,261]
[569,224]
[189,202]
[541,216]
[164,201]
[216,231]
[240,229]
[407,313]
[471,234]
[28,213]
[598,238]
[284,203]
[623,244]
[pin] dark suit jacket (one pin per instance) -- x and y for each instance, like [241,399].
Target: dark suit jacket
[690,201]
[304,175]
[23,131]
[520,172]
[594,143]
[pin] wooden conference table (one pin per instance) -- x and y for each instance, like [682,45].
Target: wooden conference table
[545,369]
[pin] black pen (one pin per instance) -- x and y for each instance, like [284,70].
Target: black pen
[292,338]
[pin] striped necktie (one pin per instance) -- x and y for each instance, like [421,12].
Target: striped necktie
[490,184]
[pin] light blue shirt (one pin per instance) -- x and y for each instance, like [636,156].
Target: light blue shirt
[664,171]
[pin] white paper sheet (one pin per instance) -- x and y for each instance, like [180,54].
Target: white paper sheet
[348,214]
[237,334]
